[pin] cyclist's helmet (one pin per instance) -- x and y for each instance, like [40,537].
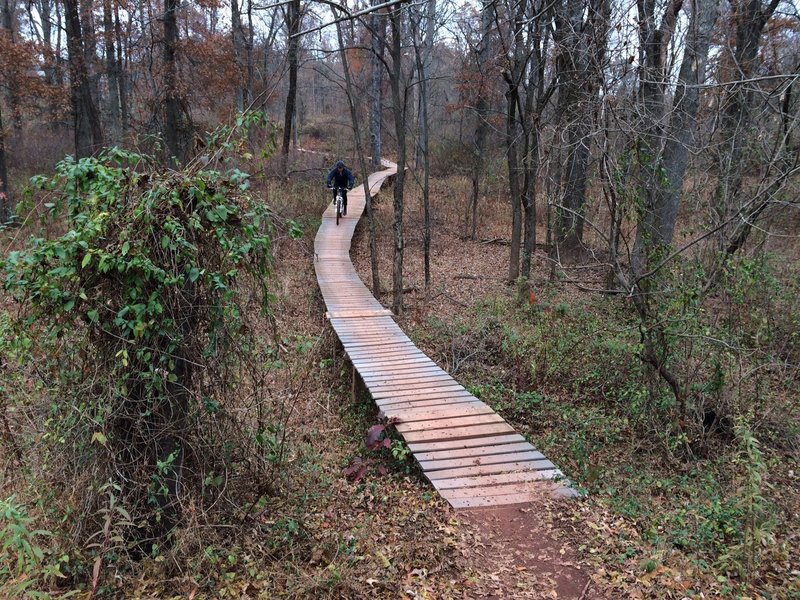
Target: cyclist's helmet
[340,164]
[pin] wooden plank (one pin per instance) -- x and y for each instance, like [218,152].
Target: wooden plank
[493,490]
[401,368]
[390,403]
[357,339]
[483,501]
[356,313]
[411,415]
[474,461]
[480,451]
[365,336]
[434,403]
[410,361]
[422,392]
[425,400]
[390,350]
[421,447]
[489,469]
[385,355]
[380,321]
[456,433]
[418,383]
[366,327]
[490,480]
[399,373]
[454,421]
[379,348]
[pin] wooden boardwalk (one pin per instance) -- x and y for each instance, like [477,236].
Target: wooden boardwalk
[467,451]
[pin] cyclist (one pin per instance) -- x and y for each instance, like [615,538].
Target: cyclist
[341,177]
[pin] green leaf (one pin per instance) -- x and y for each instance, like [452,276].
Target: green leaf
[93,315]
[125,247]
[99,437]
[86,260]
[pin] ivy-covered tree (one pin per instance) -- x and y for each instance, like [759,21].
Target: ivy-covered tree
[138,321]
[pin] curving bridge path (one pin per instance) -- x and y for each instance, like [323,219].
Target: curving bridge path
[467,451]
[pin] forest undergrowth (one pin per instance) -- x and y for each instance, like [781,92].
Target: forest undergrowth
[285,496]
[674,506]
[274,502]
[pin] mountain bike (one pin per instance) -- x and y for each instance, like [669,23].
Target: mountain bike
[339,203]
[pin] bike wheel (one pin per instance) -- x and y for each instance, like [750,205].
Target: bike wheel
[338,211]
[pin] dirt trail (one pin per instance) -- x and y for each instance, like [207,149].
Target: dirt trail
[521,555]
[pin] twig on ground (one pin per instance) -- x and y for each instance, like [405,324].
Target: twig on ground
[500,241]
[466,276]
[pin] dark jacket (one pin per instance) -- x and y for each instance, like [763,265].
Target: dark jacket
[344,179]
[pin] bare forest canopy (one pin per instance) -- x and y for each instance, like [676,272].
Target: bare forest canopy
[600,113]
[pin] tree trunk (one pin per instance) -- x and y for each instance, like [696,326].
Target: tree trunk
[535,101]
[514,116]
[750,17]
[172,106]
[652,98]
[248,95]
[86,118]
[512,141]
[122,80]
[399,110]
[481,110]
[666,196]
[113,72]
[7,22]
[293,27]
[238,53]
[6,202]
[93,70]
[60,27]
[45,10]
[580,34]
[422,56]
[378,26]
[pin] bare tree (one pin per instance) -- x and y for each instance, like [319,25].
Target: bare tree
[750,17]
[239,52]
[8,26]
[172,101]
[86,117]
[669,139]
[422,52]
[114,74]
[293,20]
[517,52]
[528,92]
[581,30]
[378,30]
[482,54]
[5,193]
[397,80]
[122,83]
